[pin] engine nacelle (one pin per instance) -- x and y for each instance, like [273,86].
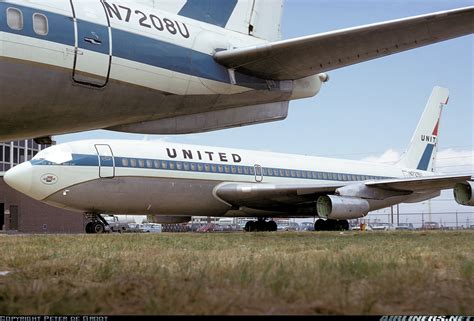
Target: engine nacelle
[341,208]
[161,219]
[463,193]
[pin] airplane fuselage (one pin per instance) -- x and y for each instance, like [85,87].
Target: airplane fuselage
[140,177]
[68,66]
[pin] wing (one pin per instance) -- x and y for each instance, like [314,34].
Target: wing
[281,197]
[301,57]
[420,184]
[298,198]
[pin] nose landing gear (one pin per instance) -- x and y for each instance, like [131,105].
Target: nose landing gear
[97,224]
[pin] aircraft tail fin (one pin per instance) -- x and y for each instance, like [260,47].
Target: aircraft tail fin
[423,146]
[259,18]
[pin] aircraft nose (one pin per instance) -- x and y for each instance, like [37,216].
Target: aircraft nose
[20,177]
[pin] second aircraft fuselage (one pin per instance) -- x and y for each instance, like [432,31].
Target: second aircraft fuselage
[140,177]
[69,66]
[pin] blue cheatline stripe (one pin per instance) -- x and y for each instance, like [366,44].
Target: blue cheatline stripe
[216,12]
[187,166]
[61,28]
[169,56]
[89,30]
[426,157]
[129,46]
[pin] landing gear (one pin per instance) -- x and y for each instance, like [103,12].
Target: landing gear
[331,225]
[97,224]
[260,226]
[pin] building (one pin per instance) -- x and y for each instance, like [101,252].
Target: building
[21,213]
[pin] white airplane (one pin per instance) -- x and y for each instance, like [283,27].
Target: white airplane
[172,67]
[175,181]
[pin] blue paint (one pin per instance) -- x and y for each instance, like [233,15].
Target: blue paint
[426,157]
[130,46]
[93,31]
[160,164]
[216,12]
[61,28]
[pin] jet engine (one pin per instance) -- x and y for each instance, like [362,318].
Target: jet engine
[463,193]
[341,207]
[161,219]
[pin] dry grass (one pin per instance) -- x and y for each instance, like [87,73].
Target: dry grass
[262,273]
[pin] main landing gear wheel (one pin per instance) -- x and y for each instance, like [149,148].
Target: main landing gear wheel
[97,224]
[260,226]
[331,225]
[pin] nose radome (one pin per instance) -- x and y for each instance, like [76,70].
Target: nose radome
[20,177]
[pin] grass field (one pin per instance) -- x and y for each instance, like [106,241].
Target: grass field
[239,273]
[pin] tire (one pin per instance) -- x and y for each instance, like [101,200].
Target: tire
[320,225]
[272,226]
[98,228]
[89,228]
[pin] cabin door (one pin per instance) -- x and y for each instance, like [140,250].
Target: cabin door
[106,161]
[93,43]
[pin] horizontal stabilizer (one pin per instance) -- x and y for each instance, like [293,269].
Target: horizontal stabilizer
[305,56]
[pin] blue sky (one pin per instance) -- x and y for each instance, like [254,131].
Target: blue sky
[367,109]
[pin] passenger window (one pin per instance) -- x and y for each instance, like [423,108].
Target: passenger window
[214,168]
[179,165]
[141,163]
[40,24]
[221,169]
[227,168]
[193,167]
[14,19]
[133,162]
[149,164]
[124,162]
[164,165]
[239,169]
[157,164]
[234,169]
[246,170]
[200,167]
[325,176]
[172,165]
[186,166]
[207,167]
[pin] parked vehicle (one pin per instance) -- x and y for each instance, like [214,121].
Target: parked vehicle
[150,228]
[115,225]
[208,228]
[430,226]
[291,226]
[307,226]
[405,227]
[383,227]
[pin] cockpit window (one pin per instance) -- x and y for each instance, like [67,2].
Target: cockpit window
[52,156]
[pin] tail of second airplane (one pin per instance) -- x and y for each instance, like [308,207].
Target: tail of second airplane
[423,147]
[258,18]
